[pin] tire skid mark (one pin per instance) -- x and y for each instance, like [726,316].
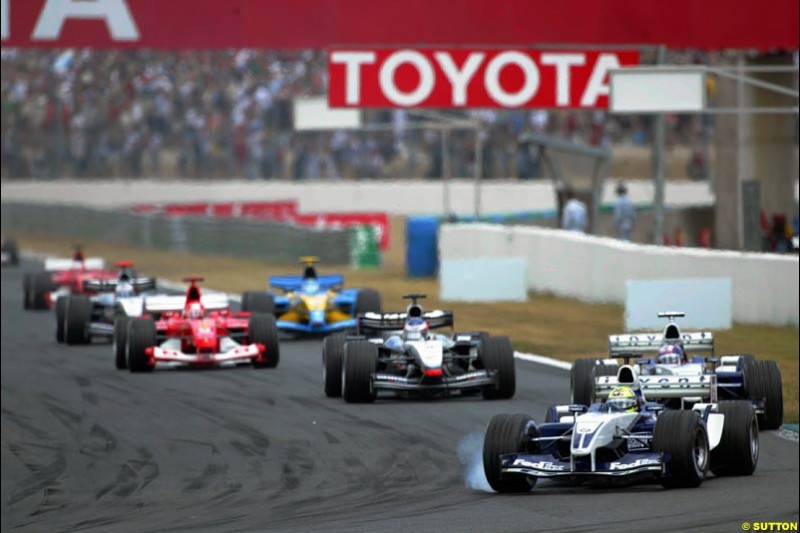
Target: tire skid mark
[42,476]
[133,476]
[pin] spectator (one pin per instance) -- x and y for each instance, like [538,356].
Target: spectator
[624,214]
[574,216]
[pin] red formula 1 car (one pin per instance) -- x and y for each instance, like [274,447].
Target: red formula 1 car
[198,330]
[62,277]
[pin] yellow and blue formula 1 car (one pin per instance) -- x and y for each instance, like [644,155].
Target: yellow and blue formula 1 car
[312,304]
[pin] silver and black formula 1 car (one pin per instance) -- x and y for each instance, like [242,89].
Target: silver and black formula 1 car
[603,442]
[105,304]
[397,352]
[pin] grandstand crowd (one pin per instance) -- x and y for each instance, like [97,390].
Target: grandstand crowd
[210,114]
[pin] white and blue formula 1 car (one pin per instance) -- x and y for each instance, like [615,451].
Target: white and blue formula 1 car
[584,444]
[399,352]
[679,369]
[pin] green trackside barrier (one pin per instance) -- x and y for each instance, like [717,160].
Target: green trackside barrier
[365,252]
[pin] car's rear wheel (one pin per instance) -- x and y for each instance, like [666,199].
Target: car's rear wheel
[27,291]
[41,287]
[737,452]
[508,434]
[141,336]
[120,341]
[360,362]
[61,318]
[368,301]
[683,439]
[581,381]
[497,354]
[258,302]
[78,316]
[262,330]
[332,354]
[772,391]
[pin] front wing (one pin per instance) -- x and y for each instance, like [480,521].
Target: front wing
[477,378]
[332,327]
[239,354]
[548,466]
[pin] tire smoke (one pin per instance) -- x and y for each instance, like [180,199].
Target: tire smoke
[470,454]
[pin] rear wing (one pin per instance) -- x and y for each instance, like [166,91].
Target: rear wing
[663,386]
[108,285]
[167,304]
[295,283]
[396,321]
[651,342]
[90,263]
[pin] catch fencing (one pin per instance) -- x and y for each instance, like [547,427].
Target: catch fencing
[239,237]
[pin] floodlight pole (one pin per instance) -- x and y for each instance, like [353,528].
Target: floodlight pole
[445,172]
[658,166]
[478,170]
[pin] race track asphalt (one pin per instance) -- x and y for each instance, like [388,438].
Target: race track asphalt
[88,448]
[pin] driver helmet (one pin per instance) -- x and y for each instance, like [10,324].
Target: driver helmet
[195,310]
[124,289]
[623,399]
[415,329]
[670,354]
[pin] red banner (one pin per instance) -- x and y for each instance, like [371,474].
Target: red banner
[472,78]
[709,24]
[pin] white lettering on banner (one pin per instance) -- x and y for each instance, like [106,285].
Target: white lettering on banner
[529,87]
[597,85]
[563,62]
[114,13]
[352,62]
[459,79]
[426,78]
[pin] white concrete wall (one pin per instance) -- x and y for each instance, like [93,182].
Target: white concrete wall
[595,269]
[396,197]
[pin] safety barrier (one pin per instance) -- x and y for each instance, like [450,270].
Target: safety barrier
[595,269]
[233,236]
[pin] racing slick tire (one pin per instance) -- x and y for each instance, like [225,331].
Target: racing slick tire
[61,318]
[360,361]
[368,301]
[508,434]
[581,381]
[683,438]
[141,335]
[496,353]
[120,341]
[77,318]
[27,291]
[258,302]
[332,354]
[751,375]
[41,286]
[262,330]
[13,252]
[605,370]
[772,392]
[737,452]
